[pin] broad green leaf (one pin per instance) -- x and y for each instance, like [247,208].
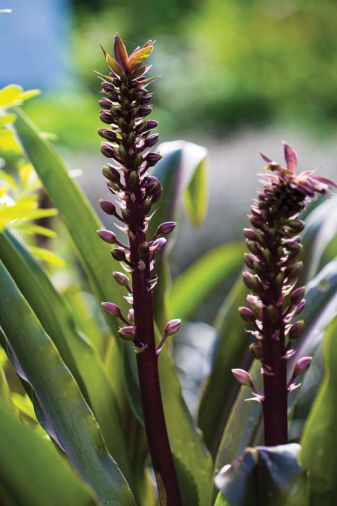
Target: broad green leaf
[319,454]
[185,439]
[65,414]
[230,346]
[181,172]
[321,228]
[264,475]
[74,348]
[197,281]
[75,210]
[33,472]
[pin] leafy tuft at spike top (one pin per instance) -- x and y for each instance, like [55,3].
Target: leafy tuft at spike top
[125,107]
[274,265]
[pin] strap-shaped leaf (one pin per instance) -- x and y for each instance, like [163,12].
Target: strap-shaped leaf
[75,350]
[230,347]
[75,210]
[318,454]
[202,277]
[67,416]
[32,472]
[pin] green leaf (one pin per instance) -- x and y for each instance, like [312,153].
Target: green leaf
[76,211]
[230,345]
[66,415]
[264,475]
[202,277]
[319,452]
[181,172]
[81,358]
[33,472]
[321,228]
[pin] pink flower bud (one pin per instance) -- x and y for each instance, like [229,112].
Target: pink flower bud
[121,279]
[172,327]
[128,332]
[111,308]
[247,314]
[290,157]
[131,316]
[107,206]
[118,254]
[297,295]
[243,377]
[166,228]
[301,366]
[159,244]
[107,236]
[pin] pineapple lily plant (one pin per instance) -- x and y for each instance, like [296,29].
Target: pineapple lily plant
[92,410]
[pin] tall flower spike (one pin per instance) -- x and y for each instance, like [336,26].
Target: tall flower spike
[125,107]
[274,267]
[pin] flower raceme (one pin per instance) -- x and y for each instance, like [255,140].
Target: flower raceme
[127,142]
[274,265]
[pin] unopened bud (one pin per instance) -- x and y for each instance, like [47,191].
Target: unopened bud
[247,314]
[133,178]
[144,110]
[152,158]
[250,234]
[297,295]
[296,225]
[128,332]
[251,282]
[166,228]
[111,308]
[151,140]
[131,316]
[243,377]
[159,244]
[107,150]
[107,236]
[121,279]
[107,206]
[107,134]
[299,307]
[172,327]
[118,254]
[105,103]
[301,366]
[151,123]
[106,117]
[296,330]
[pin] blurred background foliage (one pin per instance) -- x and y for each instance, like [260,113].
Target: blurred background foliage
[223,64]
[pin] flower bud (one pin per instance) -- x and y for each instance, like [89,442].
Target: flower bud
[296,330]
[301,366]
[111,308]
[247,314]
[108,150]
[144,110]
[105,103]
[131,316]
[151,123]
[112,174]
[109,87]
[107,206]
[128,333]
[172,327]
[297,295]
[159,244]
[299,307]
[166,228]
[107,134]
[107,236]
[243,377]
[133,179]
[118,254]
[151,140]
[106,117]
[250,234]
[251,282]
[152,158]
[296,225]
[121,279]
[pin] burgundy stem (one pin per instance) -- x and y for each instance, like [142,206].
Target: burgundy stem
[147,360]
[275,403]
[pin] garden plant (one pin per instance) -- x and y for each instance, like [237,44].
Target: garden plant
[93,407]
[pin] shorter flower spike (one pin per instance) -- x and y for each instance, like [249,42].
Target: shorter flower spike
[172,327]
